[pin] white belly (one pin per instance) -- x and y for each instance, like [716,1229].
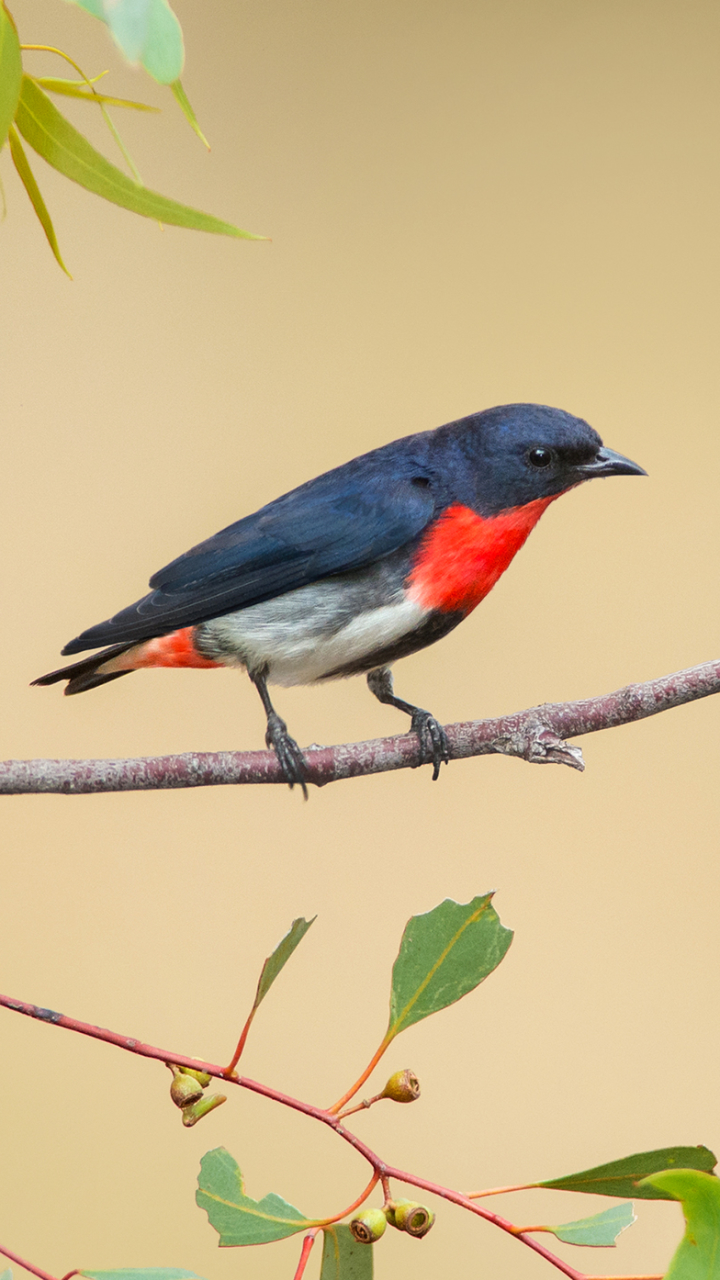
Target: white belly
[307,634]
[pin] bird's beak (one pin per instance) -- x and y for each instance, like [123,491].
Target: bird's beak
[609,463]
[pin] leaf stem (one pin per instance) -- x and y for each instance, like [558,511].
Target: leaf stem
[308,1242]
[241,1043]
[355,1204]
[21,1262]
[499,1191]
[338,1106]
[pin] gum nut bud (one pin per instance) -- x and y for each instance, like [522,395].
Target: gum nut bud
[404,1086]
[415,1219]
[184,1090]
[202,1077]
[368,1226]
[196,1111]
[390,1208]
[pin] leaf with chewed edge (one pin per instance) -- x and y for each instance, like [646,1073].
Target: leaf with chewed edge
[698,1255]
[343,1258]
[237,1218]
[601,1230]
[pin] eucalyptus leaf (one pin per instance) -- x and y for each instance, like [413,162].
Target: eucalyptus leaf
[60,144]
[6,1275]
[74,89]
[599,1231]
[443,955]
[10,73]
[27,178]
[146,31]
[237,1218]
[698,1254]
[621,1177]
[141,1273]
[343,1258]
[183,102]
[280,956]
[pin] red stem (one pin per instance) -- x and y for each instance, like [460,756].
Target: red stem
[37,1271]
[316,1113]
[308,1242]
[241,1042]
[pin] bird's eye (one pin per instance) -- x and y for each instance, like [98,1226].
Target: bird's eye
[540,457]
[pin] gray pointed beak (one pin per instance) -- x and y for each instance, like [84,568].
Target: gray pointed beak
[609,463]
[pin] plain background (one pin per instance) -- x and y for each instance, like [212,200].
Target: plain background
[470,203]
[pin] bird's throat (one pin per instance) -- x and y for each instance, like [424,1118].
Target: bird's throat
[463,554]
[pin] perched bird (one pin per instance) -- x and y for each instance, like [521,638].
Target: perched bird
[357,568]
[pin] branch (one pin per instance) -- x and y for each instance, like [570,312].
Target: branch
[538,736]
[381,1171]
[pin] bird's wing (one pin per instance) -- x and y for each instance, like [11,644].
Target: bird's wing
[331,525]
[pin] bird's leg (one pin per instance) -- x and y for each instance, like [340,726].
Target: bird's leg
[292,760]
[433,739]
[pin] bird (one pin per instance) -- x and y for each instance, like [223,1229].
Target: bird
[361,566]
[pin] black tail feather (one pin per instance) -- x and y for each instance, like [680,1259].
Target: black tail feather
[84,675]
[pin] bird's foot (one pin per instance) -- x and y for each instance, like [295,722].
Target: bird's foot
[291,758]
[433,740]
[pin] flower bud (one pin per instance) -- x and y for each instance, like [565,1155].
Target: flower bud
[184,1090]
[196,1111]
[404,1086]
[413,1218]
[202,1077]
[368,1226]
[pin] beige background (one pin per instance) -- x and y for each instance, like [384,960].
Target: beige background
[469,204]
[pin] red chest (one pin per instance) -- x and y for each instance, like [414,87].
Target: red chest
[462,555]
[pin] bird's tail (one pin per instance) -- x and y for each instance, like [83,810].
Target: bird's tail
[174,650]
[88,674]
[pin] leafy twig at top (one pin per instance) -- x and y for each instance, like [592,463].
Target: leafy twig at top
[537,735]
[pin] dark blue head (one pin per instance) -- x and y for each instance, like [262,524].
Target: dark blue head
[521,452]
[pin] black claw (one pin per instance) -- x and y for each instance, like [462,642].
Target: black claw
[433,739]
[291,758]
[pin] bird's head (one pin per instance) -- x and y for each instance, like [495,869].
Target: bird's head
[523,452]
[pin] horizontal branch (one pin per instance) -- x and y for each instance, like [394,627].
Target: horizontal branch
[538,735]
[378,1165]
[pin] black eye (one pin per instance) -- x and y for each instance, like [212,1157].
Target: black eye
[540,457]
[422,482]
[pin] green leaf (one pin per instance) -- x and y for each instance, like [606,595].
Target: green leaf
[280,956]
[184,104]
[60,144]
[443,955]
[698,1254]
[10,73]
[237,1218]
[146,31]
[600,1231]
[6,1275]
[72,89]
[342,1257]
[621,1177]
[27,178]
[141,1273]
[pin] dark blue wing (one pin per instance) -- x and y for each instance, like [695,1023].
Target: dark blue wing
[341,521]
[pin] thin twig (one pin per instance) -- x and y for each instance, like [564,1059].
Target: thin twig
[29,1266]
[537,735]
[308,1242]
